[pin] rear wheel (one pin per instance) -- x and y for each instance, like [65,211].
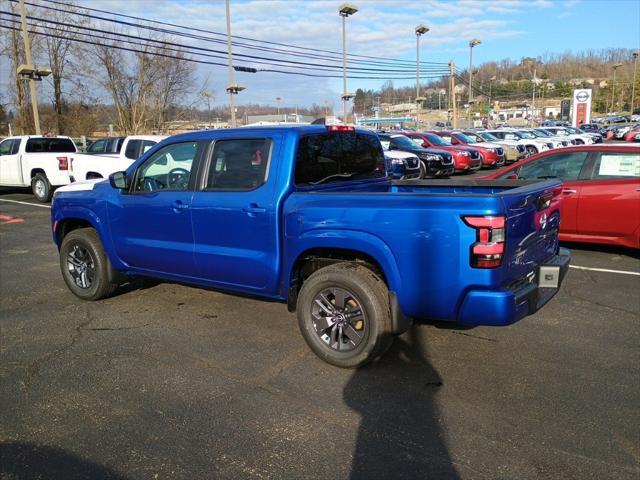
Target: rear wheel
[41,187]
[579,142]
[531,150]
[344,316]
[84,265]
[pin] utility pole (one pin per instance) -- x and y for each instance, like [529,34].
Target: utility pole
[32,81]
[633,85]
[232,88]
[533,98]
[452,94]
[613,86]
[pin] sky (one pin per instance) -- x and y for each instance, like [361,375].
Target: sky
[507,28]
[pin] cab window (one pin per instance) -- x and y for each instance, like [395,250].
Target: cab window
[168,169]
[6,147]
[339,156]
[97,147]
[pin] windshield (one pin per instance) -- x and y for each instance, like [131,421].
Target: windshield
[474,137]
[544,133]
[573,130]
[436,140]
[560,132]
[489,137]
[465,139]
[527,134]
[404,142]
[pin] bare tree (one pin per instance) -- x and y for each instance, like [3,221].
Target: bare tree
[58,52]
[142,85]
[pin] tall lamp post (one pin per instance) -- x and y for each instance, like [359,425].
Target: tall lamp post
[420,30]
[633,85]
[278,106]
[474,42]
[613,86]
[233,88]
[345,10]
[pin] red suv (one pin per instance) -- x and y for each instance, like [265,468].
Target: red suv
[465,158]
[492,153]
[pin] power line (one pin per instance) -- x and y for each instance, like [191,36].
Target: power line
[157,54]
[385,62]
[220,53]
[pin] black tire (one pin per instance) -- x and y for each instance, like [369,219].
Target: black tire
[531,150]
[41,188]
[87,241]
[370,295]
[579,142]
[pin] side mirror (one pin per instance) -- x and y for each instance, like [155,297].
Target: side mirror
[119,180]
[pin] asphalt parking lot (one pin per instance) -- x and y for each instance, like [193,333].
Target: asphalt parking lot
[168,381]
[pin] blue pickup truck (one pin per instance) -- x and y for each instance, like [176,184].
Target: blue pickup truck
[307,215]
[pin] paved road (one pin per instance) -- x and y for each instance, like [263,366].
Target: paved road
[168,381]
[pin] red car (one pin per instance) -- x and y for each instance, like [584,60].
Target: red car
[492,153]
[465,158]
[601,190]
[633,136]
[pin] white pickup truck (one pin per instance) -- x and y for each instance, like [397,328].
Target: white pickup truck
[108,155]
[39,162]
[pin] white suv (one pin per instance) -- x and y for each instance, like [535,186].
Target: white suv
[533,145]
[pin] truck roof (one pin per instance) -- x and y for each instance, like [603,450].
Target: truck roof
[297,130]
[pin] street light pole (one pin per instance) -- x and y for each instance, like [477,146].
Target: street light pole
[345,10]
[613,86]
[420,30]
[472,44]
[633,85]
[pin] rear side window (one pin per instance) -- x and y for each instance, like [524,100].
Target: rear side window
[565,166]
[339,155]
[612,165]
[50,145]
[239,164]
[133,147]
[97,147]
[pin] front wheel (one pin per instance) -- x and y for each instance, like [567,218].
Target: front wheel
[344,316]
[423,170]
[84,265]
[531,150]
[41,188]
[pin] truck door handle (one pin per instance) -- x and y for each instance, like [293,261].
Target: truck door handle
[253,208]
[178,206]
[568,191]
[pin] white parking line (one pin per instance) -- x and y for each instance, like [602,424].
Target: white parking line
[623,272]
[24,203]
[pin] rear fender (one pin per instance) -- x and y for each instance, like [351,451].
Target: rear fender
[352,240]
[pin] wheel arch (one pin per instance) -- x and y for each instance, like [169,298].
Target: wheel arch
[318,249]
[35,171]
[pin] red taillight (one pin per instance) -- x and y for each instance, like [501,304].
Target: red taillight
[488,249]
[63,163]
[341,128]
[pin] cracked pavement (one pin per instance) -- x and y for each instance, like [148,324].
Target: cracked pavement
[169,381]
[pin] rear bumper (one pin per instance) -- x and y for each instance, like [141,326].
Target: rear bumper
[506,306]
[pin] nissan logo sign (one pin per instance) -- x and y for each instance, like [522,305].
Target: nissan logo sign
[582,96]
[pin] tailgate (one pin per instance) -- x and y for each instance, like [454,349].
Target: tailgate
[533,220]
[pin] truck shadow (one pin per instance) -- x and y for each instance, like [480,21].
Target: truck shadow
[400,433]
[26,461]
